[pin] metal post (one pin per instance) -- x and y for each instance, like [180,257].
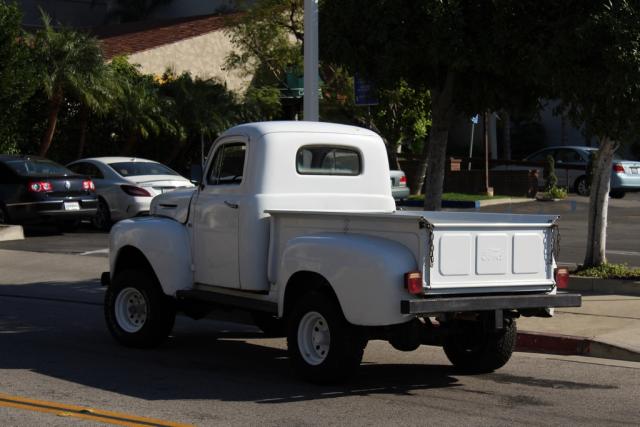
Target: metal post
[473,127]
[311,85]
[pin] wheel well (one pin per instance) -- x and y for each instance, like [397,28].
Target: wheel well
[303,282]
[132,257]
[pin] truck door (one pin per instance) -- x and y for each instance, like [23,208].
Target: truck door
[217,216]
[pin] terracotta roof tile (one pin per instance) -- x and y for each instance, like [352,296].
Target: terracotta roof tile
[125,39]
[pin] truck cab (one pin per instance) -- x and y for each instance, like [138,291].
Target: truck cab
[294,222]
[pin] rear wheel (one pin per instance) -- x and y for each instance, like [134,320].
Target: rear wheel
[4,216]
[102,219]
[581,186]
[323,346]
[616,194]
[137,312]
[474,350]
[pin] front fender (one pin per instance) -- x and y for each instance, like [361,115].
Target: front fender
[164,242]
[365,272]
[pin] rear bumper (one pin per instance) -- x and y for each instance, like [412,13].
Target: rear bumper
[51,210]
[400,193]
[487,303]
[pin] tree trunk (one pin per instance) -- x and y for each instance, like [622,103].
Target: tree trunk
[417,180]
[84,124]
[392,152]
[599,205]
[130,144]
[54,109]
[506,135]
[441,113]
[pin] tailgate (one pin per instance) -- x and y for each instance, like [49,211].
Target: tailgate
[490,253]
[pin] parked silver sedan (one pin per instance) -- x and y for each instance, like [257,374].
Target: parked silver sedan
[399,188]
[126,185]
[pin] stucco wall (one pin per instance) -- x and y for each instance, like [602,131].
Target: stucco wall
[203,56]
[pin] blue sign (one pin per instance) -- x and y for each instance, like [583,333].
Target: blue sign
[365,92]
[475,119]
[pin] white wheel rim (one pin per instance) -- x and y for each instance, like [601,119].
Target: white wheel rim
[314,338]
[131,310]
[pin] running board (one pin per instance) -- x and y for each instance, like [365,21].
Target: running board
[226,300]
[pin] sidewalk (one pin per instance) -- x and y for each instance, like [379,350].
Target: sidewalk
[607,325]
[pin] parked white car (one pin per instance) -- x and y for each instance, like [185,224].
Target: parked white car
[126,185]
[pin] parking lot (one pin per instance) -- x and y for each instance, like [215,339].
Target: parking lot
[54,346]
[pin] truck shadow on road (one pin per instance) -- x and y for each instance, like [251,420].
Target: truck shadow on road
[61,341]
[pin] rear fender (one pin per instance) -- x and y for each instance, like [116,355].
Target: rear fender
[366,273]
[164,243]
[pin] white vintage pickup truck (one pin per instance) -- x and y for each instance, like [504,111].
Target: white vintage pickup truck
[294,222]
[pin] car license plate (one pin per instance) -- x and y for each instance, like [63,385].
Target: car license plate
[635,170]
[71,206]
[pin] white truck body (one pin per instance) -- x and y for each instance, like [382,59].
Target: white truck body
[275,215]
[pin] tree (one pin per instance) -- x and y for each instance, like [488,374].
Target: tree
[140,110]
[597,77]
[468,55]
[17,75]
[70,64]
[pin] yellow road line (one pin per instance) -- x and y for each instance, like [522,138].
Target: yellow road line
[64,410]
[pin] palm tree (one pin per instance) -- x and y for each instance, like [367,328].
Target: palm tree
[140,109]
[71,63]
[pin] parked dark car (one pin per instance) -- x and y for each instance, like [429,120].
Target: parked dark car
[35,189]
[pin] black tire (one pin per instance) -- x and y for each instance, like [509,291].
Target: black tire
[616,194]
[152,324]
[581,187]
[343,353]
[272,326]
[4,216]
[475,351]
[102,219]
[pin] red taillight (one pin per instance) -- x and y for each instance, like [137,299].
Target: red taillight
[135,191]
[88,185]
[618,168]
[413,282]
[40,187]
[403,181]
[562,278]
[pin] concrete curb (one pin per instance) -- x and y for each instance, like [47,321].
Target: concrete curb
[606,286]
[11,232]
[534,342]
[467,204]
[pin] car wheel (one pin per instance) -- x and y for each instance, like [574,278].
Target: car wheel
[4,216]
[102,219]
[475,351]
[616,194]
[137,312]
[323,347]
[581,187]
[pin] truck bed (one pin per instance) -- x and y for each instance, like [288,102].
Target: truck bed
[457,252]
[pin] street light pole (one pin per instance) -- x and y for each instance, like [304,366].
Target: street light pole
[311,85]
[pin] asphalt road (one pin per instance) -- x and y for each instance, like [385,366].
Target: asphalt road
[623,242]
[54,347]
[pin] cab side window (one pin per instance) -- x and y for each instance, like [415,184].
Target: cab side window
[227,166]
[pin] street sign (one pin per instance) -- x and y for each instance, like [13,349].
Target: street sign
[365,92]
[475,119]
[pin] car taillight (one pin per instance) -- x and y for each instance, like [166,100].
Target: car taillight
[403,181]
[413,282]
[618,168]
[88,185]
[40,187]
[132,190]
[562,278]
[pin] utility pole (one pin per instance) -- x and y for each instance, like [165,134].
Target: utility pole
[311,108]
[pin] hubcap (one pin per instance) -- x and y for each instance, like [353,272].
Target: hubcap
[582,188]
[314,338]
[131,310]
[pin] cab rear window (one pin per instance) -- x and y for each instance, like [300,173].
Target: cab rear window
[328,160]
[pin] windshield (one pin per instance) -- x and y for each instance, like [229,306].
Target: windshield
[141,168]
[37,167]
